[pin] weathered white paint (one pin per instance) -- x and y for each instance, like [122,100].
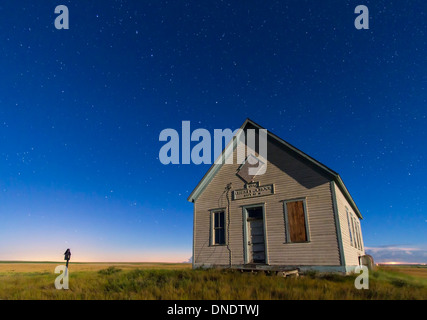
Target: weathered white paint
[294,177]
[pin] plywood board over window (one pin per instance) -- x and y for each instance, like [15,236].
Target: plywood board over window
[296,221]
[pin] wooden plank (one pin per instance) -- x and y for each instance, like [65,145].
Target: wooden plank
[257,232]
[258,247]
[259,257]
[256,238]
[296,222]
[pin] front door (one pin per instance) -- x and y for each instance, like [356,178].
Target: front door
[255,235]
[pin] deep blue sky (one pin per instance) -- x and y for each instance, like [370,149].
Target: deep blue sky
[81,111]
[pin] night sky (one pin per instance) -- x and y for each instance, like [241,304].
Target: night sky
[81,111]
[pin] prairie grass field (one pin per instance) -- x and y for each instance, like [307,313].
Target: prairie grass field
[162,281]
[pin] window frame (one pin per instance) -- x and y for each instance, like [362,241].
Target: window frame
[359,229]
[359,238]
[286,220]
[353,225]
[212,227]
[354,230]
[350,232]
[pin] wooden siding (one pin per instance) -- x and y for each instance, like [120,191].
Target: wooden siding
[351,253]
[293,177]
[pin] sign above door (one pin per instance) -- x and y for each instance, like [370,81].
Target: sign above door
[253,190]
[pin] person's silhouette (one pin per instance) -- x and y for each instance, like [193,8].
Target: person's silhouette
[67,256]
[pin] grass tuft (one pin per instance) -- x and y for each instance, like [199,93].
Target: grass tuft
[109,271]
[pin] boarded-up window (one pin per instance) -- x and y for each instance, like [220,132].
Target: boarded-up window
[296,221]
[218,230]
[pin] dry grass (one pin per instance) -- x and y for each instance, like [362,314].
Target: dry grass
[24,267]
[178,281]
[416,271]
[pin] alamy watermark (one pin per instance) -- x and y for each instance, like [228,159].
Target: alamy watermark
[178,149]
[362,20]
[362,281]
[61,281]
[62,20]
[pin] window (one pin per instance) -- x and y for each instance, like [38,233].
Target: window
[354,233]
[357,234]
[254,213]
[349,226]
[218,228]
[296,221]
[354,230]
[360,236]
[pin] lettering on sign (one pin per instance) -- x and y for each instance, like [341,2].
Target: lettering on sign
[253,190]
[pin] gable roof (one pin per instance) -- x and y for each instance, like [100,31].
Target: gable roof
[230,148]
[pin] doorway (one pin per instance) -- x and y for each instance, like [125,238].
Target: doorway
[255,235]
